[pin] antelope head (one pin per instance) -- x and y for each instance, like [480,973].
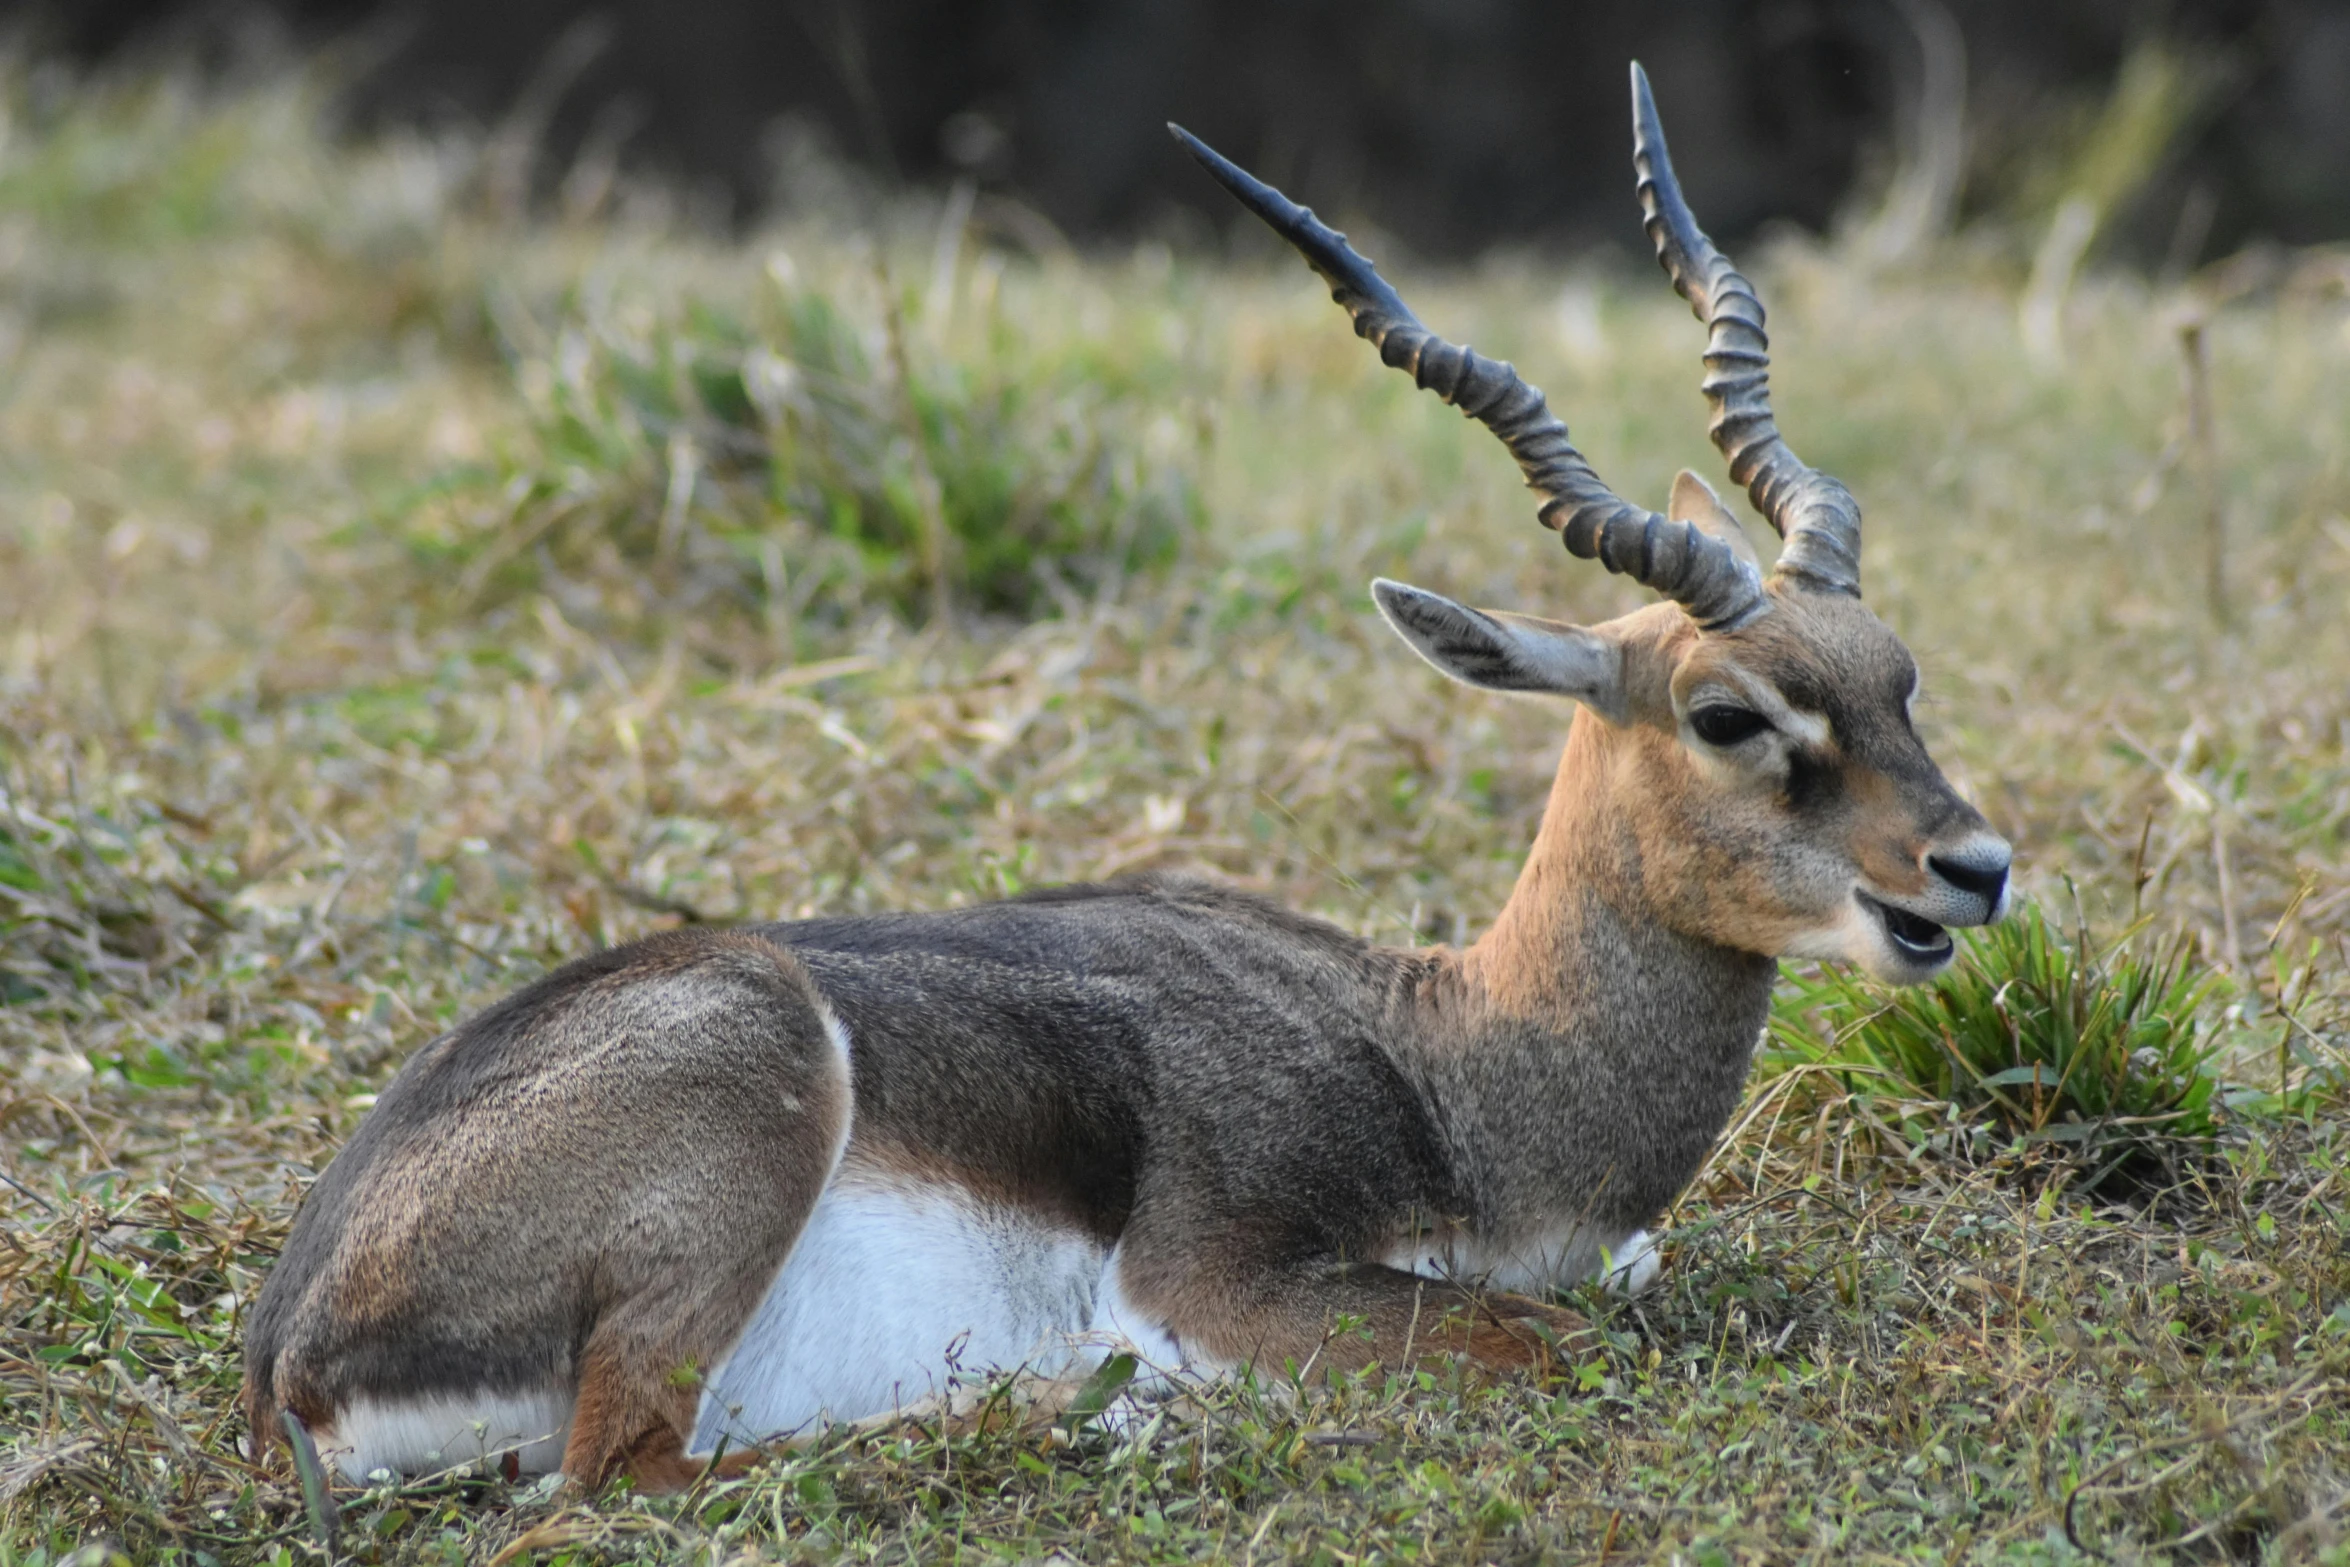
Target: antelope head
[1753,737]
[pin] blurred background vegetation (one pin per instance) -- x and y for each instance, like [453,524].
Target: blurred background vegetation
[1452,127]
[436,541]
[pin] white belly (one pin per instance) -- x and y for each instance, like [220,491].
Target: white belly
[894,1290]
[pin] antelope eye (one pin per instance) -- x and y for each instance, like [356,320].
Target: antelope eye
[1725,725]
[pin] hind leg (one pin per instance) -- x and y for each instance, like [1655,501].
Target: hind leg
[641,1375]
[682,1279]
[640,1384]
[560,1214]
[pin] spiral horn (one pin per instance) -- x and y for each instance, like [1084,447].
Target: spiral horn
[1681,561]
[1814,513]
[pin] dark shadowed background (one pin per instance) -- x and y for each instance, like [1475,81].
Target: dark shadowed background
[1449,124]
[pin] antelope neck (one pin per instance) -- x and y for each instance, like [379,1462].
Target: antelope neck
[1581,945]
[1582,1056]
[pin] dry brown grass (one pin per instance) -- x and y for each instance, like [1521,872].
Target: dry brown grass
[292,778]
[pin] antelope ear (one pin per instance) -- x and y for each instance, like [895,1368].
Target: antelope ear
[1497,651]
[1694,501]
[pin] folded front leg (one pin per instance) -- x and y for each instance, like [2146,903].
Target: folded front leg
[1232,1305]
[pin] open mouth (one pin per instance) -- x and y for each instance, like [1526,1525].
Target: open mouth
[1912,936]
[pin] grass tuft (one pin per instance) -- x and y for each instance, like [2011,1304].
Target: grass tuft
[814,448]
[2033,1033]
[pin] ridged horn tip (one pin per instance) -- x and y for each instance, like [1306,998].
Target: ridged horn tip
[1672,227]
[1353,281]
[1647,129]
[1259,197]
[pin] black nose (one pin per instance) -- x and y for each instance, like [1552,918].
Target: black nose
[1985,877]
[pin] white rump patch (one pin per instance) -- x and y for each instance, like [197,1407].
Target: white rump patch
[416,1436]
[896,1290]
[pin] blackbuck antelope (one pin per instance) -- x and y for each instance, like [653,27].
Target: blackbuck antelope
[704,1191]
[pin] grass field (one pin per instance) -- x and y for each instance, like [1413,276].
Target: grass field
[399,597]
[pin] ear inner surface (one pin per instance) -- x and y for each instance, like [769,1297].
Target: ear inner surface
[1694,502]
[1497,651]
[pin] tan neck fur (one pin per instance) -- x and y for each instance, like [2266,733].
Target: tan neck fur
[1587,849]
[1589,1047]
